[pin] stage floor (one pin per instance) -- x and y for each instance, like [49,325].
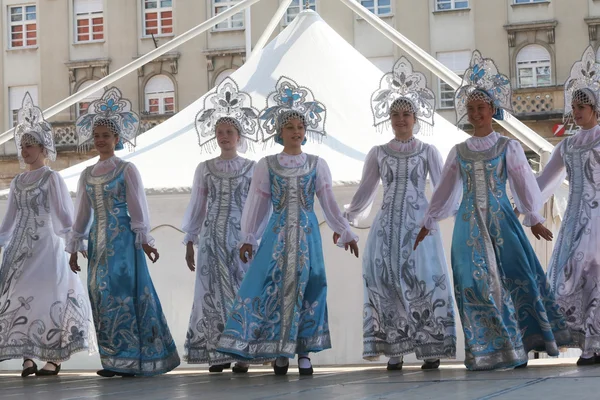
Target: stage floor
[543,379]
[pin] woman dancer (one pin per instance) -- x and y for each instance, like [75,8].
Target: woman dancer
[212,220]
[133,335]
[281,307]
[574,270]
[505,302]
[408,300]
[44,311]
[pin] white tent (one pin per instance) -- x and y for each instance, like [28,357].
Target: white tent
[314,55]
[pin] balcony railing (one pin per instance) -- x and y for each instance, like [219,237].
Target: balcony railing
[538,102]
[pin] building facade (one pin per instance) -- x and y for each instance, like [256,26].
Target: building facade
[54,48]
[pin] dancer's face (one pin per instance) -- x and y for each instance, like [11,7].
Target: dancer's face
[403,122]
[228,137]
[584,115]
[105,140]
[292,133]
[32,152]
[480,113]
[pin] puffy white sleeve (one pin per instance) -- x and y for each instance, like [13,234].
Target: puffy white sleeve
[435,164]
[83,218]
[447,194]
[10,218]
[331,211]
[137,206]
[195,213]
[257,209]
[553,174]
[61,206]
[360,206]
[525,190]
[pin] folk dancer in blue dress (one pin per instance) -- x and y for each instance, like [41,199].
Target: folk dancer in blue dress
[574,270]
[44,311]
[112,213]
[281,307]
[408,305]
[504,299]
[212,220]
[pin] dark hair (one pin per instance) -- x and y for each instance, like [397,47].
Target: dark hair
[229,121]
[403,103]
[109,123]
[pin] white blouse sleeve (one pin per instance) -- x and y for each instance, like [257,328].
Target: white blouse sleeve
[83,218]
[331,211]
[257,209]
[553,174]
[435,164]
[360,206]
[195,213]
[137,206]
[61,206]
[447,194]
[10,218]
[525,190]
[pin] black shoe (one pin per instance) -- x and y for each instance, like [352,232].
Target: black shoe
[586,361]
[395,367]
[30,370]
[45,372]
[124,375]
[524,365]
[240,369]
[435,364]
[280,370]
[305,371]
[216,368]
[106,373]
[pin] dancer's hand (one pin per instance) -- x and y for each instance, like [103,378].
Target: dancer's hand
[336,237]
[353,246]
[246,253]
[516,211]
[189,256]
[73,263]
[540,231]
[421,236]
[151,252]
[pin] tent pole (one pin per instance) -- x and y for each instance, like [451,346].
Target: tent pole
[134,65]
[519,130]
[264,38]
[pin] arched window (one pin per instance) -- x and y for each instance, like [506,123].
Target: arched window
[534,66]
[83,105]
[222,75]
[159,95]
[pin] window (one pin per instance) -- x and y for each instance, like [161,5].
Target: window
[443,5]
[83,105]
[457,62]
[378,7]
[158,17]
[89,20]
[159,95]
[222,75]
[15,100]
[235,22]
[530,1]
[533,66]
[296,7]
[22,26]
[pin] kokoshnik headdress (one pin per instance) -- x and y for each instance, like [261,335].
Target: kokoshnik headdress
[228,105]
[482,81]
[583,85]
[403,90]
[112,111]
[32,128]
[289,101]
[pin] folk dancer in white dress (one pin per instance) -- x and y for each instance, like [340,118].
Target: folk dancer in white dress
[506,306]
[44,311]
[574,270]
[408,305]
[112,213]
[212,220]
[281,307]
